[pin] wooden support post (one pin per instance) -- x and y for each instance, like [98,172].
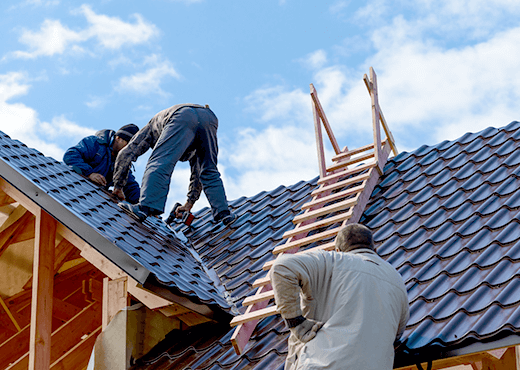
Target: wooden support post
[42,292]
[319,139]
[115,294]
[321,112]
[375,120]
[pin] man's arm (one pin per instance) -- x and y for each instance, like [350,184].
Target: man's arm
[140,143]
[289,274]
[132,190]
[79,155]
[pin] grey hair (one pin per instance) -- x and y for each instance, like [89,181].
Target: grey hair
[354,236]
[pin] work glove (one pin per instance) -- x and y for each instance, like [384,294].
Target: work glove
[307,330]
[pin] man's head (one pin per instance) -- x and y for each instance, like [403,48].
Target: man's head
[354,236]
[123,136]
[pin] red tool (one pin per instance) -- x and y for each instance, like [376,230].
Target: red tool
[187,217]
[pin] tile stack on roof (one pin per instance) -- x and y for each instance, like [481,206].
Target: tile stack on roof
[446,216]
[151,244]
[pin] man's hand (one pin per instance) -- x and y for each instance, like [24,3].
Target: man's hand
[118,192]
[307,330]
[98,178]
[185,208]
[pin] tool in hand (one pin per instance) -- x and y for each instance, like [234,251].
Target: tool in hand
[187,217]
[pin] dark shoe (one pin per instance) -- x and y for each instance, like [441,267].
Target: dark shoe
[133,210]
[228,220]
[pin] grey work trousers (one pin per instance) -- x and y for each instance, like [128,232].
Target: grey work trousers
[188,129]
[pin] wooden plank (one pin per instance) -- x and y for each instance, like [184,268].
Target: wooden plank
[326,247]
[319,139]
[14,347]
[78,356]
[345,155]
[64,250]
[243,331]
[42,292]
[26,232]
[335,196]
[316,225]
[375,119]
[307,240]
[343,205]
[193,318]
[321,112]
[19,197]
[383,121]
[115,294]
[11,317]
[255,315]
[351,161]
[261,282]
[340,184]
[5,199]
[173,310]
[347,172]
[68,335]
[64,311]
[15,223]
[258,298]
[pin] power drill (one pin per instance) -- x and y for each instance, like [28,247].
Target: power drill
[187,217]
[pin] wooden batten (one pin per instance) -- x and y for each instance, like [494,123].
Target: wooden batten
[115,296]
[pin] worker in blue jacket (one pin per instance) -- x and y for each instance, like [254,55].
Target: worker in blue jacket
[94,157]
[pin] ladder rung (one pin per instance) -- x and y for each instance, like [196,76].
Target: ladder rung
[325,210]
[317,224]
[341,184]
[254,315]
[339,165]
[326,247]
[334,196]
[261,282]
[346,172]
[307,240]
[343,155]
[258,298]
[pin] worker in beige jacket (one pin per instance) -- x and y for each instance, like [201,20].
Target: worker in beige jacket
[344,308]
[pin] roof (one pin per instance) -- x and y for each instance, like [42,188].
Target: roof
[149,252]
[445,216]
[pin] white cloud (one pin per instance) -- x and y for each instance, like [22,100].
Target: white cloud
[113,33]
[315,60]
[21,122]
[110,32]
[151,79]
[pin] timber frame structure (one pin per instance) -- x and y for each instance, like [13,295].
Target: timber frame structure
[344,190]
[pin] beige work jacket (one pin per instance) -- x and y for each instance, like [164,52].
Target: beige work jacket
[360,297]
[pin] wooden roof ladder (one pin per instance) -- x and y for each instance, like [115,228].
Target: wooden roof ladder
[344,189]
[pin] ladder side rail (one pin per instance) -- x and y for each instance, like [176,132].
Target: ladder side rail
[321,112]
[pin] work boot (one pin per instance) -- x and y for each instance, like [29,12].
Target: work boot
[133,210]
[228,220]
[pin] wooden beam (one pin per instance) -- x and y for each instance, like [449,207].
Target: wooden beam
[68,335]
[321,112]
[12,226]
[78,356]
[64,250]
[115,294]
[347,172]
[319,139]
[12,349]
[20,197]
[383,120]
[26,232]
[42,292]
[340,206]
[375,119]
[351,161]
[5,199]
[254,315]
[341,184]
[8,312]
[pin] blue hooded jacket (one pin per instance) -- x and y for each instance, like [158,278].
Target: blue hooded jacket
[93,154]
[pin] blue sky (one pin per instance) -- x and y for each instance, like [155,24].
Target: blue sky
[444,68]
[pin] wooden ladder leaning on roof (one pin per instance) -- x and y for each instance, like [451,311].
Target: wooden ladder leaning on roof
[342,194]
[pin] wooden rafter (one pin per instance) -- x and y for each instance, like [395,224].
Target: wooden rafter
[13,226]
[344,190]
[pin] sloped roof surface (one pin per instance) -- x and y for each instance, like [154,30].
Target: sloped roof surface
[151,244]
[446,216]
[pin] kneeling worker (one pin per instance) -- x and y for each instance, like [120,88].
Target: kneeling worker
[185,132]
[94,157]
[354,305]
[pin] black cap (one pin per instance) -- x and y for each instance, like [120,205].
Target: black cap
[127,131]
